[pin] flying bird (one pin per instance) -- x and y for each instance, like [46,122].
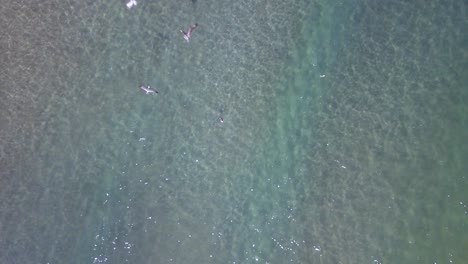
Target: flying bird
[188,34]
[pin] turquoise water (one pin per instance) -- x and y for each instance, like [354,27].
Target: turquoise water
[344,134]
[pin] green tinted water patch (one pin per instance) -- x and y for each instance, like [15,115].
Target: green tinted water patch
[388,126]
[286,156]
[303,83]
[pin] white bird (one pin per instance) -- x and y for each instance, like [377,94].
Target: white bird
[188,34]
[148,89]
[131,3]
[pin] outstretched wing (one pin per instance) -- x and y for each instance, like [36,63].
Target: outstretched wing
[192,28]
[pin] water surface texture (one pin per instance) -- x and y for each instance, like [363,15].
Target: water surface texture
[343,141]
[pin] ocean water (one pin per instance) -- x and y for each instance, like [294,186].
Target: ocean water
[343,141]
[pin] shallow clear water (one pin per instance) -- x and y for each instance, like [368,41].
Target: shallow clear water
[344,134]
